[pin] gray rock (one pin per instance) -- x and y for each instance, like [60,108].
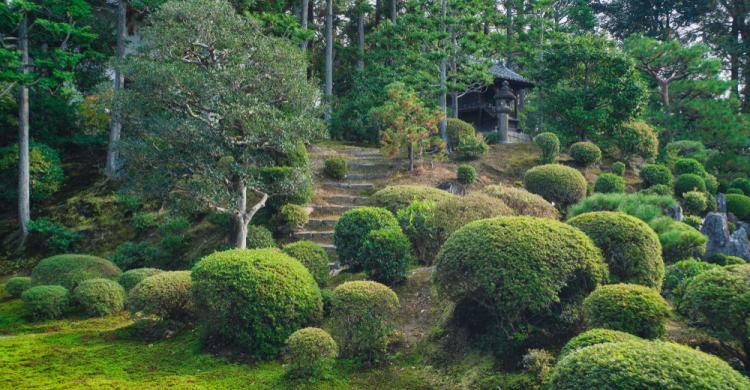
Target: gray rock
[453,187]
[715,227]
[674,212]
[721,203]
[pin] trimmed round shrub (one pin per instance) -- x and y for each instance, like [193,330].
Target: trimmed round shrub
[722,259]
[679,273]
[451,214]
[636,138]
[480,265]
[653,174]
[631,308]
[585,153]
[712,184]
[637,365]
[131,278]
[458,130]
[618,168]
[395,198]
[550,145]
[609,182]
[46,302]
[678,240]
[658,189]
[492,138]
[522,202]
[630,247]
[693,220]
[310,352]
[352,229]
[471,148]
[259,237]
[694,202]
[336,168]
[739,205]
[166,295]
[312,256]
[362,315]
[418,223]
[14,287]
[100,297]
[735,191]
[466,174]
[45,171]
[742,184]
[689,165]
[292,216]
[385,255]
[689,182]
[253,299]
[594,337]
[70,270]
[556,183]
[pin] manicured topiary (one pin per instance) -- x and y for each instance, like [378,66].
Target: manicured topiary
[166,295]
[252,300]
[609,182]
[395,198]
[637,365]
[693,220]
[292,216]
[522,202]
[635,138]
[46,302]
[451,214]
[735,191]
[679,273]
[630,247]
[712,184]
[678,240]
[259,237]
[352,229]
[642,206]
[471,148]
[14,287]
[45,171]
[385,255]
[418,223]
[594,337]
[742,184]
[70,270]
[653,174]
[631,308]
[739,205]
[550,145]
[131,278]
[689,182]
[618,168]
[466,174]
[556,183]
[585,153]
[312,256]
[310,352]
[694,202]
[362,315]
[658,189]
[689,165]
[503,265]
[100,297]
[457,130]
[336,168]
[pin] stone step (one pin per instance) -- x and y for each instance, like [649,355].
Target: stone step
[362,152]
[363,186]
[321,223]
[330,248]
[372,166]
[331,209]
[314,235]
[366,176]
[343,199]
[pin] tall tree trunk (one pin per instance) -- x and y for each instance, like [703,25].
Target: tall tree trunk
[734,58]
[411,156]
[24,203]
[454,113]
[509,32]
[303,21]
[664,92]
[442,99]
[115,126]
[394,8]
[329,59]
[378,10]
[361,41]
[244,216]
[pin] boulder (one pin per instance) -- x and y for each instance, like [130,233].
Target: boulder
[715,227]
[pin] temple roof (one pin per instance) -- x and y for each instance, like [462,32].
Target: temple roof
[500,71]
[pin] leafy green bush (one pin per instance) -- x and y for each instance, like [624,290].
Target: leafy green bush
[166,295]
[15,286]
[292,216]
[453,213]
[739,205]
[336,168]
[310,352]
[550,145]
[689,182]
[678,240]
[742,184]
[687,148]
[130,255]
[385,255]
[653,174]
[395,198]
[694,202]
[131,278]
[585,153]
[635,138]
[631,308]
[278,180]
[556,183]
[45,172]
[70,270]
[735,191]
[642,206]
[46,302]
[352,229]
[693,220]
[609,182]
[253,299]
[362,315]
[145,220]
[522,202]
[471,148]
[52,236]
[712,184]
[722,259]
[689,165]
[658,189]
[618,168]
[418,223]
[466,174]
[312,256]
[100,297]
[259,237]
[457,130]
[679,273]
[492,138]
[596,336]
[630,247]
[637,365]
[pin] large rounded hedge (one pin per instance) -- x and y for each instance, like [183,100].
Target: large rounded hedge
[309,352]
[395,198]
[453,213]
[15,286]
[654,174]
[352,229]
[689,182]
[131,278]
[166,295]
[550,145]
[739,205]
[630,247]
[594,337]
[519,267]
[522,202]
[629,308]
[609,182]
[742,184]
[70,270]
[556,183]
[100,297]
[46,302]
[385,255]
[259,237]
[457,130]
[689,165]
[253,299]
[585,153]
[638,365]
[312,256]
[679,273]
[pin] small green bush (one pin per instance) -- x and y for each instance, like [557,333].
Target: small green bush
[678,240]
[336,168]
[556,183]
[52,236]
[522,202]
[418,223]
[585,153]
[679,273]
[471,148]
[742,184]
[353,227]
[457,130]
[385,255]
[712,184]
[166,295]
[687,148]
[693,220]
[653,174]
[689,182]
[694,202]
[100,297]
[259,237]
[618,168]
[46,302]
[658,189]
[466,174]
[635,138]
[362,315]
[492,138]
[609,182]
[312,256]
[594,337]
[292,216]
[631,308]
[14,287]
[253,299]
[395,198]
[45,171]
[310,352]
[550,145]
[739,205]
[131,255]
[145,220]
[642,206]
[70,270]
[722,259]
[131,278]
[689,165]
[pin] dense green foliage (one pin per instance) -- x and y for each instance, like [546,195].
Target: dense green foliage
[642,206]
[70,270]
[609,182]
[353,227]
[618,168]
[679,273]
[654,174]
[291,217]
[312,256]
[395,198]
[585,153]
[458,130]
[689,182]
[310,352]
[45,170]
[336,167]
[166,295]
[99,297]
[466,174]
[453,213]
[678,240]
[594,337]
[742,184]
[694,202]
[418,223]
[46,302]
[51,236]
[688,165]
[633,139]
[385,255]
[556,183]
[739,205]
[259,237]
[15,286]
[131,278]
[629,308]
[550,145]
[522,202]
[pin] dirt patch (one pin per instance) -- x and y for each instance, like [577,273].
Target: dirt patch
[419,309]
